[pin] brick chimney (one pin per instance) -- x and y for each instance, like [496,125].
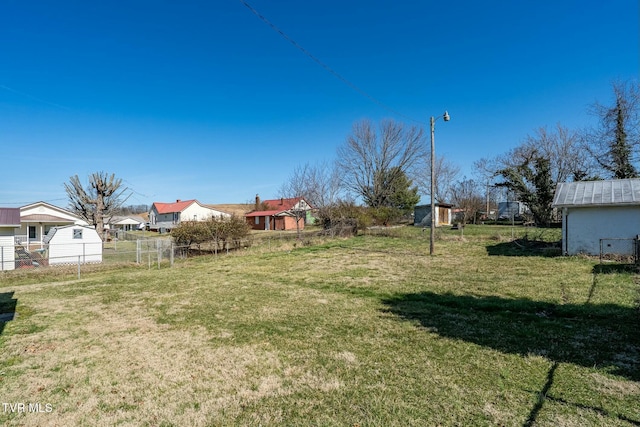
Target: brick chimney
[257,202]
[281,201]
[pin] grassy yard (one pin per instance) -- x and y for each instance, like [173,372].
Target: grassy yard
[367,331]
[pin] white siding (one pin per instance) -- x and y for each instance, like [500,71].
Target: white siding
[45,209]
[200,213]
[64,249]
[582,228]
[7,250]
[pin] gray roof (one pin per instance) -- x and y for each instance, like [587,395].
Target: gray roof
[10,217]
[614,192]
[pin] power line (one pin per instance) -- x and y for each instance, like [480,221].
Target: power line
[34,98]
[31,202]
[323,65]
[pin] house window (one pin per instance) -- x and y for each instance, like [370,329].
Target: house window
[257,220]
[32,231]
[195,217]
[77,234]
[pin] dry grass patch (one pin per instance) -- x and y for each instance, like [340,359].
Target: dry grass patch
[98,364]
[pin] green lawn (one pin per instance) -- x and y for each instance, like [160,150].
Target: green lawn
[367,331]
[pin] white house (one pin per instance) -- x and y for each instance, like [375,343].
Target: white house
[9,222]
[71,244]
[169,215]
[125,223]
[596,210]
[38,218]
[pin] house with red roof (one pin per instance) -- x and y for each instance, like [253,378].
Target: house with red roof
[279,214]
[166,216]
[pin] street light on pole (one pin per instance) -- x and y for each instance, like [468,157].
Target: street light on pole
[432,235]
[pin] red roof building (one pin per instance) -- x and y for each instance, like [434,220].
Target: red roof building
[279,214]
[166,216]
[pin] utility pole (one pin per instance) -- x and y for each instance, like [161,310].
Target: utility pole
[432,235]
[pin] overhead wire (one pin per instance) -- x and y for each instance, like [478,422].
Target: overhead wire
[324,65]
[34,98]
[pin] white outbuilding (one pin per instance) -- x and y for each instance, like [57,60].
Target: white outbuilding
[599,214]
[71,244]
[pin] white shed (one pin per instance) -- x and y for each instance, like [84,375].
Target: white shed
[71,244]
[9,222]
[595,211]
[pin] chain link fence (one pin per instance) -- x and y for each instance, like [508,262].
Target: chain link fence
[128,248]
[621,250]
[151,252]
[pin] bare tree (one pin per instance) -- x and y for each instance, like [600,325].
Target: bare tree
[369,155]
[466,196]
[562,147]
[446,173]
[485,171]
[615,142]
[319,184]
[102,197]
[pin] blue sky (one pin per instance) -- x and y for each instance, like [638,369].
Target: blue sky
[202,99]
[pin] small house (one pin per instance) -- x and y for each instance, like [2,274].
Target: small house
[166,216]
[597,212]
[422,215]
[72,244]
[279,214]
[36,219]
[124,223]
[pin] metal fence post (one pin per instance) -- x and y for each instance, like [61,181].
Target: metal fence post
[78,267]
[600,251]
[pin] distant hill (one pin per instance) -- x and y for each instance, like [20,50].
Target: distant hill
[238,209]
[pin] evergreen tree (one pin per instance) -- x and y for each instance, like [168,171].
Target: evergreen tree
[531,182]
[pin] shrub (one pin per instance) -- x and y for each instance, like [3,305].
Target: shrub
[215,229]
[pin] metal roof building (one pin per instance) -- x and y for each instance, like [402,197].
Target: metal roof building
[597,193]
[599,217]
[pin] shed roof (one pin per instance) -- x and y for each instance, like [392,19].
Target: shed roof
[262,213]
[613,192]
[10,217]
[52,232]
[284,204]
